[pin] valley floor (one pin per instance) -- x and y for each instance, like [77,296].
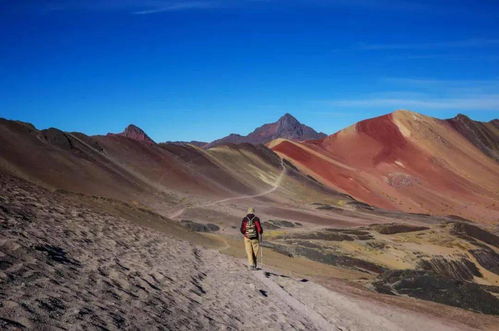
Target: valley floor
[67,265]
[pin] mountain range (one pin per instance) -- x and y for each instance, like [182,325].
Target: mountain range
[400,161]
[393,204]
[403,160]
[286,127]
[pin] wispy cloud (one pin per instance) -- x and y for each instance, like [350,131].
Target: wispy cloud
[176,6]
[140,7]
[483,102]
[447,57]
[468,43]
[444,83]
[427,94]
[471,88]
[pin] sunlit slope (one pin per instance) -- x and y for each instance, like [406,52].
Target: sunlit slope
[162,177]
[404,161]
[258,167]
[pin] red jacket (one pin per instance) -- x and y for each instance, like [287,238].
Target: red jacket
[256,220]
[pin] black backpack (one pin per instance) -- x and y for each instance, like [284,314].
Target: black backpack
[251,231]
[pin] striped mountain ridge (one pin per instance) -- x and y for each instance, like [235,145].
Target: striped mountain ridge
[410,162]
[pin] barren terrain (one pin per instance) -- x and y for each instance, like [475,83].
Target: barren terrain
[66,265]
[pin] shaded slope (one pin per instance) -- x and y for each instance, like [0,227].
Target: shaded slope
[404,161]
[110,166]
[484,136]
[56,159]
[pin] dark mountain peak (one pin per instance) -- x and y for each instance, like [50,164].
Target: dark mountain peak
[134,132]
[288,120]
[133,128]
[461,117]
[288,117]
[287,126]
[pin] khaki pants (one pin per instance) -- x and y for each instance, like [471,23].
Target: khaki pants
[252,247]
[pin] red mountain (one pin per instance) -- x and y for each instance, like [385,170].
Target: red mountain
[409,162]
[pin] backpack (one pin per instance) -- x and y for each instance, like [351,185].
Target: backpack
[251,231]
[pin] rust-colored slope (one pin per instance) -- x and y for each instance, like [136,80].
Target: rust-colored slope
[404,161]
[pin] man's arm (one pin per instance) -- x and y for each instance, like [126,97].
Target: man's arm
[243,227]
[259,227]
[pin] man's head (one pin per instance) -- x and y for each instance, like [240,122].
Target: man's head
[251,210]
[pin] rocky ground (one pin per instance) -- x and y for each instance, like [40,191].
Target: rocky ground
[67,265]
[454,263]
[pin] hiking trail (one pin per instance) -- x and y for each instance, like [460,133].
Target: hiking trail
[274,187]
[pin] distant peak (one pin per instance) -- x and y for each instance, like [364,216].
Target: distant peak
[287,127]
[134,132]
[461,116]
[288,120]
[403,111]
[133,128]
[288,116]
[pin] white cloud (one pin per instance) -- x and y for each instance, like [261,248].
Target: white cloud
[468,43]
[176,6]
[470,103]
[420,94]
[157,6]
[140,7]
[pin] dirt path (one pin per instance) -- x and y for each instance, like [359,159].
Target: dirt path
[274,187]
[317,319]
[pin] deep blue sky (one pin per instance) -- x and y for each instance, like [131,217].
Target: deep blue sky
[202,69]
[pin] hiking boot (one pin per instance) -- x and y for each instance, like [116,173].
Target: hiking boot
[252,267]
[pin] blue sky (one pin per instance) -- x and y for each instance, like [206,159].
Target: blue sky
[201,69]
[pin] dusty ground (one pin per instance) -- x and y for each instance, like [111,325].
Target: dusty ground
[65,265]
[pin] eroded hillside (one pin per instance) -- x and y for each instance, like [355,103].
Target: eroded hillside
[404,161]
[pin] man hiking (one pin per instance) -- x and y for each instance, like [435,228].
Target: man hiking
[252,232]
